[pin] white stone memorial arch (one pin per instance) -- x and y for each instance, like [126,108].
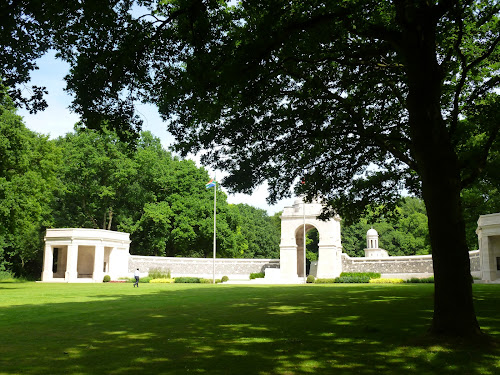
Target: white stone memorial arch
[293,221]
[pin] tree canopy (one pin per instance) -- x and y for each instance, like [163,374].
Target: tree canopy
[403,231]
[359,98]
[29,168]
[91,179]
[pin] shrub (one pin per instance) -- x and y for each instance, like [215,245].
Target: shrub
[6,277]
[224,279]
[324,281]
[106,279]
[425,280]
[310,279]
[145,280]
[371,275]
[162,281]
[206,281]
[257,275]
[159,274]
[386,281]
[187,280]
[358,279]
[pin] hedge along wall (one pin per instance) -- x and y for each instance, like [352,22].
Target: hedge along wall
[201,267]
[399,264]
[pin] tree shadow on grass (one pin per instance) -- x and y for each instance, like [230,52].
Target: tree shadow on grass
[239,330]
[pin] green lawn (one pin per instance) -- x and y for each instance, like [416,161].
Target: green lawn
[233,329]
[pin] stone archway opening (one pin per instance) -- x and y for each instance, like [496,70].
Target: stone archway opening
[312,248]
[299,240]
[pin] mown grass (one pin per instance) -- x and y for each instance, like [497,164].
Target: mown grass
[234,329]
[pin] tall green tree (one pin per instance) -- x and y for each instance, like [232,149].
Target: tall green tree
[325,90]
[159,199]
[29,166]
[97,169]
[281,89]
[260,233]
[403,231]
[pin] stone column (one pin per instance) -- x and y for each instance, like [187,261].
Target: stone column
[329,261]
[288,262]
[487,259]
[71,274]
[48,261]
[98,274]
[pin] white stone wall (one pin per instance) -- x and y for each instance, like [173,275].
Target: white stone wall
[418,264]
[241,268]
[201,267]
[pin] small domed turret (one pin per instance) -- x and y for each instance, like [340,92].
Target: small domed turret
[372,239]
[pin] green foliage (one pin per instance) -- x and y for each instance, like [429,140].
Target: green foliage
[363,99]
[106,278]
[162,281]
[159,199]
[104,183]
[257,275]
[357,277]
[310,279]
[402,231]
[145,280]
[6,277]
[260,236]
[371,275]
[159,274]
[187,280]
[425,280]
[480,199]
[312,240]
[224,279]
[29,164]
[386,281]
[324,281]
[354,279]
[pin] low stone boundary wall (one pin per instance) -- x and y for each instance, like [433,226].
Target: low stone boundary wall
[242,268]
[417,264]
[201,267]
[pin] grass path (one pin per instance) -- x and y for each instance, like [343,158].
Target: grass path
[233,329]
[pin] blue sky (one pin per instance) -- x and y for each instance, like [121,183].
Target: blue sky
[57,120]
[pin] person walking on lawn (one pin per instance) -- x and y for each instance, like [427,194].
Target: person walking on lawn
[136,275]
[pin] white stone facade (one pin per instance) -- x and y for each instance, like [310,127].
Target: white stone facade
[488,233]
[84,255]
[236,268]
[300,218]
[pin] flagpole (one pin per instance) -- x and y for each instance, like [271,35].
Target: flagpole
[215,227]
[304,225]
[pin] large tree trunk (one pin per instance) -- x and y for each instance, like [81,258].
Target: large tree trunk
[437,166]
[453,303]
